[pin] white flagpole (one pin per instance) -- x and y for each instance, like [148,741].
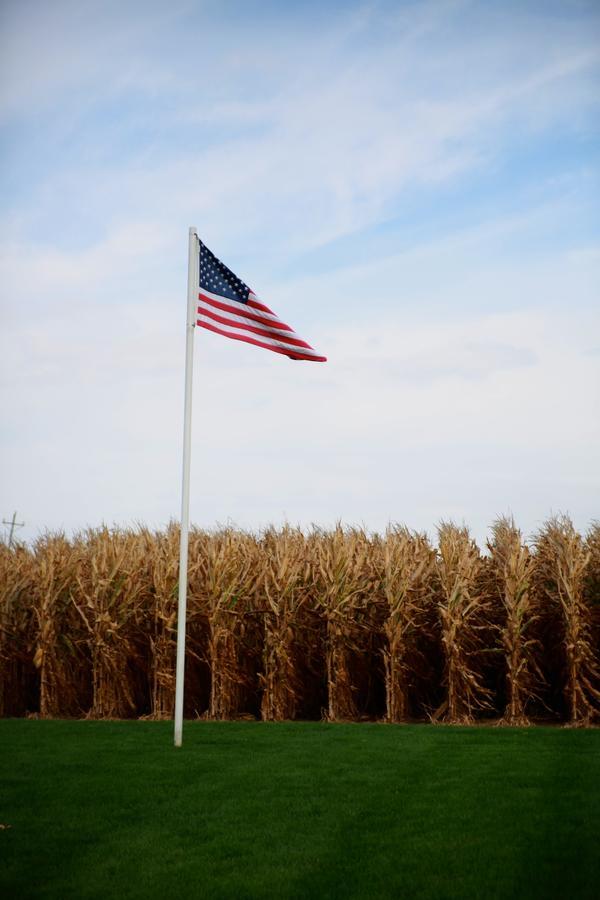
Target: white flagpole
[192,303]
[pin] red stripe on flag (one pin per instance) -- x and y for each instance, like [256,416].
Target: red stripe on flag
[252,301]
[248,340]
[272,323]
[285,339]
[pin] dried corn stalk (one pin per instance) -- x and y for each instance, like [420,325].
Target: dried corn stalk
[512,572]
[408,568]
[562,561]
[283,566]
[227,570]
[462,608]
[163,554]
[592,580]
[16,664]
[112,594]
[60,652]
[348,580]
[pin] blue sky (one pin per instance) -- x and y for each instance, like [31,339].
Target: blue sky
[414,186]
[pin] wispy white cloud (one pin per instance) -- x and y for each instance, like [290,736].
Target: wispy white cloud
[462,370]
[322,149]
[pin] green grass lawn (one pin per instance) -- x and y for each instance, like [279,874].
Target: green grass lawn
[111,809]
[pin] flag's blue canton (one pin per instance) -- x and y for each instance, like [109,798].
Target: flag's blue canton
[217,278]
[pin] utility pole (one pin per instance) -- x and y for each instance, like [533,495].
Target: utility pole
[13,524]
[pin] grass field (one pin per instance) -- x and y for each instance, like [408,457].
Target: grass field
[111,809]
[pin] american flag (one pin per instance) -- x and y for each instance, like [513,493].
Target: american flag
[227,306]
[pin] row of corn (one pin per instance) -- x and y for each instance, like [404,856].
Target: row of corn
[339,624]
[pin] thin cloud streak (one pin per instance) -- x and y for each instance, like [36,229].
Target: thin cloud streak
[410,186]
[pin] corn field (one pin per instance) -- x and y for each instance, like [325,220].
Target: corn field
[337,625]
